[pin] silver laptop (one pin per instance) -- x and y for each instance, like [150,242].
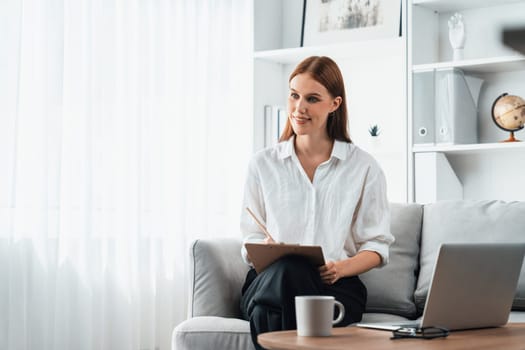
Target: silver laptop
[473,286]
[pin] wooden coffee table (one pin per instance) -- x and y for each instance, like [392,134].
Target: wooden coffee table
[511,336]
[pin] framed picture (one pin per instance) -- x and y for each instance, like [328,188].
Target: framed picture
[333,21]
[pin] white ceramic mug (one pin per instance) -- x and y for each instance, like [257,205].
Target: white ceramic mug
[315,315]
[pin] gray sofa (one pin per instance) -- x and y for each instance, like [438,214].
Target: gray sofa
[395,292]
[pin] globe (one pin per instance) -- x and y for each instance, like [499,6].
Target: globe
[508,112]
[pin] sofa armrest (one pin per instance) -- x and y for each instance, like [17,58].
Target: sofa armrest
[217,273]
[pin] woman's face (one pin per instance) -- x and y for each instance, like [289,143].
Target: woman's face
[309,104]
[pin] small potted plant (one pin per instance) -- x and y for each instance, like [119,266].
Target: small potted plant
[374,130]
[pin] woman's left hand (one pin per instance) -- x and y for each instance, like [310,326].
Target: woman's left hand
[329,273]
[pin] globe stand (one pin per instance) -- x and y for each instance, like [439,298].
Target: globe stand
[511,138]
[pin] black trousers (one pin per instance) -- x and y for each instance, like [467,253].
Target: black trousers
[268,298]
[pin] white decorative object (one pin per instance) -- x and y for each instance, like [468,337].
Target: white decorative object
[456,35]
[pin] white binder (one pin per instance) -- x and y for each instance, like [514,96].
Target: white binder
[423,124]
[456,106]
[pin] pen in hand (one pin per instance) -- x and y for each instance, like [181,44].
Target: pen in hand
[260,224]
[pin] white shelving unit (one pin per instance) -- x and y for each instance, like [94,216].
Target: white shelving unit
[459,5]
[375,80]
[352,50]
[487,169]
[476,148]
[478,65]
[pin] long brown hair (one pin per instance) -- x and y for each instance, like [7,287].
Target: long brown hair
[326,72]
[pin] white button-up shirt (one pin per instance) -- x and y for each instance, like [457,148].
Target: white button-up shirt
[344,209]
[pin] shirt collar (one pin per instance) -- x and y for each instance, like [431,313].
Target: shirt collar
[287,148]
[338,151]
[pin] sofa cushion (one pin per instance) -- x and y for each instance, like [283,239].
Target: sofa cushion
[218,333]
[468,221]
[391,288]
[218,273]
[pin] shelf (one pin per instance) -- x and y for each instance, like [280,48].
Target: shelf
[479,167]
[455,5]
[480,65]
[470,148]
[352,50]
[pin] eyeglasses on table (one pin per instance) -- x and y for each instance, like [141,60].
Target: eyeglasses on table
[421,333]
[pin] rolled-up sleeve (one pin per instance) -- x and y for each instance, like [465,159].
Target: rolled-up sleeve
[252,199]
[371,224]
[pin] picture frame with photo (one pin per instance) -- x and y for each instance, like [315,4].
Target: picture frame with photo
[335,21]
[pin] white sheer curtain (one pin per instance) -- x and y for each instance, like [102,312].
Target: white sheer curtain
[125,130]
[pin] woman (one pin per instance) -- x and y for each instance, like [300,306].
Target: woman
[314,187]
